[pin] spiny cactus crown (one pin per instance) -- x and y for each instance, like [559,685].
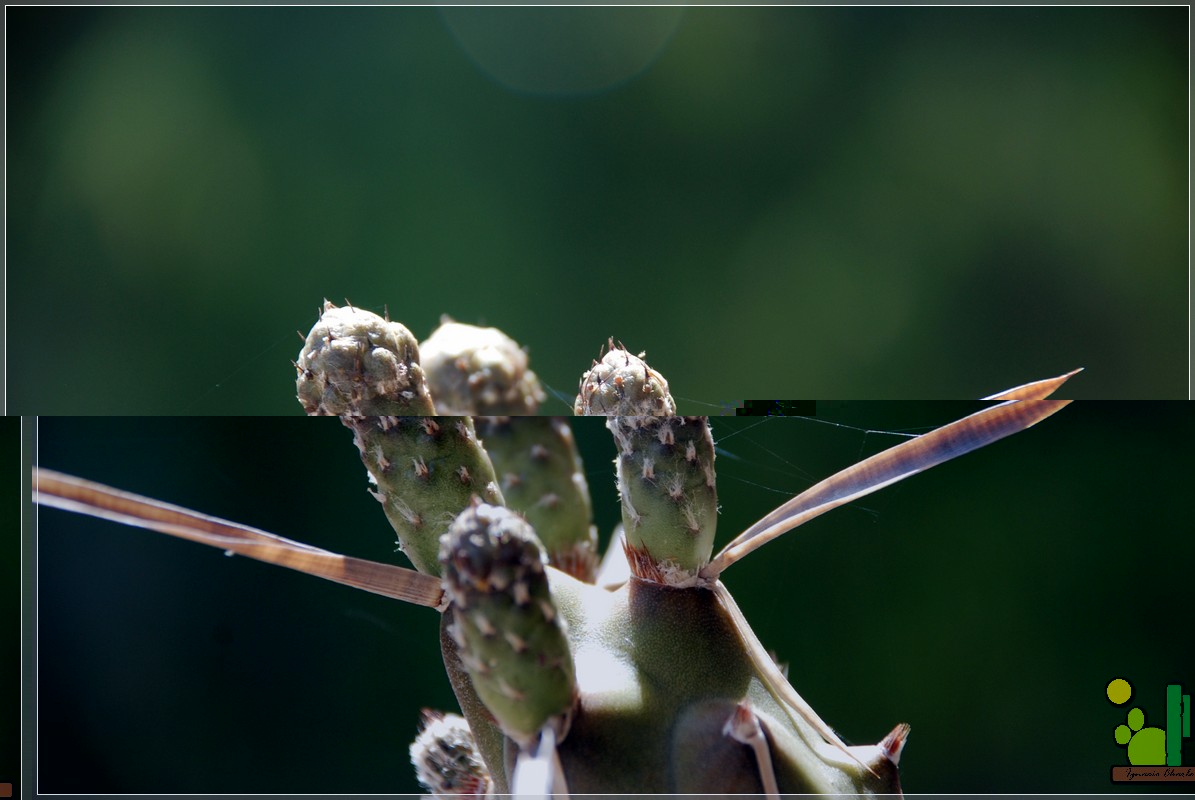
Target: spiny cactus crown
[623,384]
[490,549]
[446,759]
[472,370]
[505,624]
[356,363]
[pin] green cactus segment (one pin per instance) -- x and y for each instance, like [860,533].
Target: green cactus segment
[622,384]
[355,363]
[473,370]
[426,471]
[665,471]
[446,759]
[540,472]
[508,633]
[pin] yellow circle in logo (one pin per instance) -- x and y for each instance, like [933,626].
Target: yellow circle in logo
[1119,691]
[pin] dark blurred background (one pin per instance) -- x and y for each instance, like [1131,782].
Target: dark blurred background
[785,202]
[988,602]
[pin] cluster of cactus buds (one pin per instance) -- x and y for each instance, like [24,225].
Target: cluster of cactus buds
[651,684]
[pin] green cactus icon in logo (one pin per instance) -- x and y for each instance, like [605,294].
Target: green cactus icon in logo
[1152,746]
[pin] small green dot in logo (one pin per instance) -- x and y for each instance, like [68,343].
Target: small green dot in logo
[1119,691]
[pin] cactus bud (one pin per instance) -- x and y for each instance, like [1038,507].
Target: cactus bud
[355,363]
[540,472]
[623,384]
[446,760]
[509,635]
[472,370]
[665,467]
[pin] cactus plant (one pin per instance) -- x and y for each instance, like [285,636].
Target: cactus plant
[560,677]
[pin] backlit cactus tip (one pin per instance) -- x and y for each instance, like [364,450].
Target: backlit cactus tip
[665,467]
[355,363]
[473,370]
[505,624]
[622,384]
[446,759]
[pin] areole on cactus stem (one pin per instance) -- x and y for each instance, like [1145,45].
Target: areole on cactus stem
[563,665]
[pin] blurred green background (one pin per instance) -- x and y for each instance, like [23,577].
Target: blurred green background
[785,202]
[987,602]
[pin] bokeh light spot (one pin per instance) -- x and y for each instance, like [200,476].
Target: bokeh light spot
[562,51]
